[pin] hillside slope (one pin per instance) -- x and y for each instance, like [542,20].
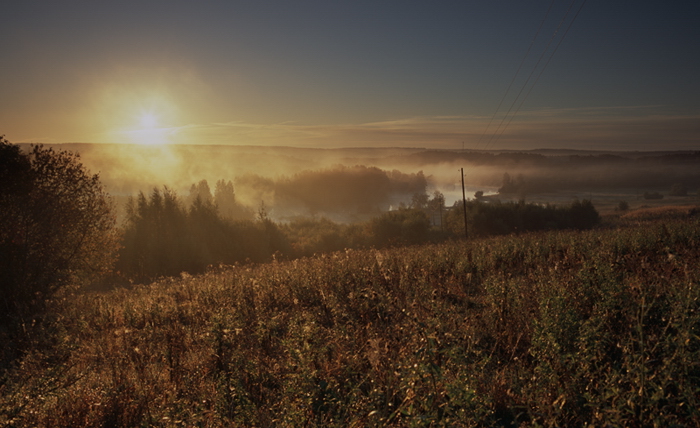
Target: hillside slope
[553,329]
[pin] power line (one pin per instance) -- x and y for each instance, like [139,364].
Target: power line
[534,68]
[522,61]
[543,68]
[508,117]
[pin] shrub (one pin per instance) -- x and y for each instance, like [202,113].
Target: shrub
[581,215]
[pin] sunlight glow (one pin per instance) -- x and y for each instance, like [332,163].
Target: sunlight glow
[149,131]
[149,120]
[150,137]
[133,113]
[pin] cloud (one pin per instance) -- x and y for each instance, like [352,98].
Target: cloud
[617,128]
[622,128]
[411,132]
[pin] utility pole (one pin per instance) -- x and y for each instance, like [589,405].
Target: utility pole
[464,206]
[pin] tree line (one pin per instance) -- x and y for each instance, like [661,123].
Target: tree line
[162,236]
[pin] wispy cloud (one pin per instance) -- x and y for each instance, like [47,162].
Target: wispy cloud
[617,128]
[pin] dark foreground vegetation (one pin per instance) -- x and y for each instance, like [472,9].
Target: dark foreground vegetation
[561,328]
[56,227]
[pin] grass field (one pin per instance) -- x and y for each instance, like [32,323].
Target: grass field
[595,328]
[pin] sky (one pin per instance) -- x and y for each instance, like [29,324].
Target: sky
[480,75]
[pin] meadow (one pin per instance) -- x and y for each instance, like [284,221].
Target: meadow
[558,328]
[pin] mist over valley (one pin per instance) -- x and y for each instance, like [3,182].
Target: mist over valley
[354,184]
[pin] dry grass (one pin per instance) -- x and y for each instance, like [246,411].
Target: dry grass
[551,329]
[663,212]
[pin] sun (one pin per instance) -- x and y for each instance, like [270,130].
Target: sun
[135,113]
[148,130]
[148,120]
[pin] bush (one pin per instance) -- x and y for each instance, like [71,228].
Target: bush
[581,215]
[56,225]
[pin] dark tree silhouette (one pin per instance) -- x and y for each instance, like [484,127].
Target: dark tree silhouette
[155,242]
[56,224]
